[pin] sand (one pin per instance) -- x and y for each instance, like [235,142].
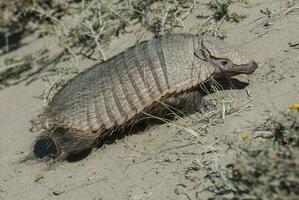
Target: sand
[154,163]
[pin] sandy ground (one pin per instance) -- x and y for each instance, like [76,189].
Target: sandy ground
[154,163]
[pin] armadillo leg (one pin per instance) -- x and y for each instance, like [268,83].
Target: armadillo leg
[69,143]
[188,102]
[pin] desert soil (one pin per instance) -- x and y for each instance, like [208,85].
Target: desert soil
[154,163]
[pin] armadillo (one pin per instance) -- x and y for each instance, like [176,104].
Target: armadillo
[113,92]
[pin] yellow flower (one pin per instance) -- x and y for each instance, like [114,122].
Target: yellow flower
[244,136]
[294,106]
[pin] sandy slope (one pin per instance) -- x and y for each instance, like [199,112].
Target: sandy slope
[152,164]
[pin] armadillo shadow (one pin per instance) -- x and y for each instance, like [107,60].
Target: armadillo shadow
[45,148]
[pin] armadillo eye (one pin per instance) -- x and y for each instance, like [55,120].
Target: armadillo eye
[224,62]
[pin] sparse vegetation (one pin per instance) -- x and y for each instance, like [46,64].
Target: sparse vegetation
[221,10]
[268,169]
[199,156]
[220,13]
[16,68]
[11,23]
[15,22]
[162,17]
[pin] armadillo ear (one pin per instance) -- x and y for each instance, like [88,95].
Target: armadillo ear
[202,54]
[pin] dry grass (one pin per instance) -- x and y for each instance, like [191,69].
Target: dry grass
[215,111]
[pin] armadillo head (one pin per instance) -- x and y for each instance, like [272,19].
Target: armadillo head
[224,58]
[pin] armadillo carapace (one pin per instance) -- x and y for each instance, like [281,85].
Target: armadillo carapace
[113,92]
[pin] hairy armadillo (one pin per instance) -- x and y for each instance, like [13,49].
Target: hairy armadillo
[113,92]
